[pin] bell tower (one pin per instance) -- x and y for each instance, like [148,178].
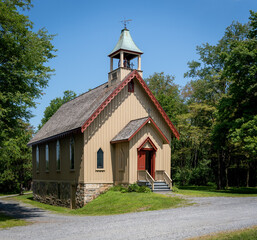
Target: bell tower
[124,51]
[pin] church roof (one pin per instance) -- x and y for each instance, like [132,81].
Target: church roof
[73,114]
[129,130]
[79,113]
[126,43]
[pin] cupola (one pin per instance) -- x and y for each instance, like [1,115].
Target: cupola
[124,51]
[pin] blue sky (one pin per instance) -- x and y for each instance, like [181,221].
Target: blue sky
[167,31]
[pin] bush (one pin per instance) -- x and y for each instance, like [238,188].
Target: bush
[133,187]
[144,189]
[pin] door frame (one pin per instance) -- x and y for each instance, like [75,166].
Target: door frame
[141,156]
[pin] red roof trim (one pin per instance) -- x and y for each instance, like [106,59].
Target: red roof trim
[147,140]
[131,76]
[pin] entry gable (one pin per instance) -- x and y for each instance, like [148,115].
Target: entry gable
[133,127]
[129,78]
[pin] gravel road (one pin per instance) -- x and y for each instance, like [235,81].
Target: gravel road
[208,215]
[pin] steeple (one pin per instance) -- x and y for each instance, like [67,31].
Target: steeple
[125,51]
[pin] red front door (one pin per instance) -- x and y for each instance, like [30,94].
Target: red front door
[141,160]
[146,161]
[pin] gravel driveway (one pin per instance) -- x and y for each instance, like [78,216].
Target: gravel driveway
[206,216]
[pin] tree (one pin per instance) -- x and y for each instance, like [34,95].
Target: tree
[203,95]
[167,93]
[237,109]
[55,104]
[23,73]
[16,161]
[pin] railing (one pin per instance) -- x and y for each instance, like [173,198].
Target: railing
[161,175]
[144,175]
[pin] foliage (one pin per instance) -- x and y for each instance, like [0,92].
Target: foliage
[55,104]
[16,161]
[23,73]
[167,94]
[114,202]
[217,127]
[131,188]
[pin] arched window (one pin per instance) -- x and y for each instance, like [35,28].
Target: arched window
[37,158]
[47,158]
[72,153]
[100,158]
[58,162]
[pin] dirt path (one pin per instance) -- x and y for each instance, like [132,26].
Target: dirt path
[208,215]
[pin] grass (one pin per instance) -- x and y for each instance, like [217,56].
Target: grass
[243,234]
[211,191]
[113,202]
[7,222]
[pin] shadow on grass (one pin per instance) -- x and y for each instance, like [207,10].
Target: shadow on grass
[232,190]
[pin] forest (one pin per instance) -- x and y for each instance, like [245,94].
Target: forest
[215,112]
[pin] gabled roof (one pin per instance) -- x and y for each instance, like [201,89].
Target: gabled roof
[80,112]
[133,127]
[132,75]
[126,43]
[73,114]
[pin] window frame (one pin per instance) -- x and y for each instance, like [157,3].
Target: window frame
[58,157]
[47,157]
[37,158]
[72,153]
[100,157]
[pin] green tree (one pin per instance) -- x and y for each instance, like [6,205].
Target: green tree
[23,73]
[16,161]
[167,93]
[237,109]
[55,104]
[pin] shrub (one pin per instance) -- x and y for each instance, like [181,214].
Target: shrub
[133,187]
[144,189]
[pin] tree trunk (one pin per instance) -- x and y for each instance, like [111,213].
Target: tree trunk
[226,174]
[247,175]
[219,170]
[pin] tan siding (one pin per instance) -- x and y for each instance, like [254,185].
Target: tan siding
[122,109]
[121,163]
[65,174]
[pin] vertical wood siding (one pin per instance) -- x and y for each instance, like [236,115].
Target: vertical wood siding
[65,174]
[121,110]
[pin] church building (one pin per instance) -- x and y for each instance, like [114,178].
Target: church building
[116,133]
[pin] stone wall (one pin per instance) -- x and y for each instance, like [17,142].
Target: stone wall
[86,192]
[60,194]
[52,193]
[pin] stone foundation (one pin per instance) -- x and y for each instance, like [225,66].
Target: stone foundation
[86,192]
[60,194]
[52,193]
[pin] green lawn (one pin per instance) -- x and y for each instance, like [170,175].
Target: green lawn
[114,202]
[209,191]
[244,234]
[7,222]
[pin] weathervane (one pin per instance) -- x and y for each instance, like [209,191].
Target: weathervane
[125,22]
